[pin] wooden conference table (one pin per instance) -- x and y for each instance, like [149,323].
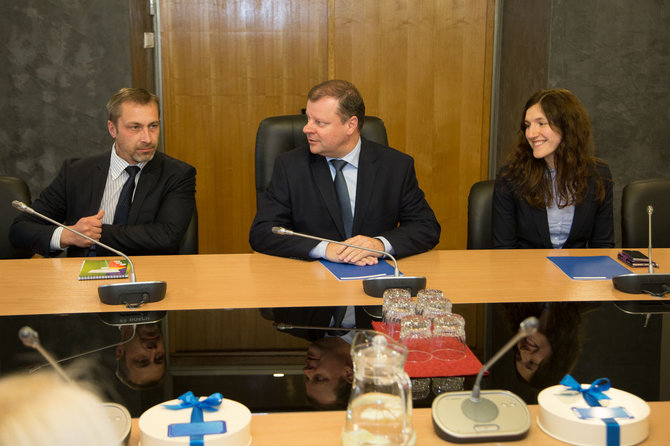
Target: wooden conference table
[304,428]
[225,281]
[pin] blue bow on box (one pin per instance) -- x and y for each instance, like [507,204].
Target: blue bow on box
[593,395]
[197,428]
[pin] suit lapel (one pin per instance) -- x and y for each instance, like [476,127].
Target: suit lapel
[324,182]
[365,184]
[145,184]
[542,225]
[97,185]
[578,219]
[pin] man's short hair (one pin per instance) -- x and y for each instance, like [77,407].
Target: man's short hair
[350,100]
[129,94]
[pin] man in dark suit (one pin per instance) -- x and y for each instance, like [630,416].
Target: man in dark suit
[134,199]
[390,212]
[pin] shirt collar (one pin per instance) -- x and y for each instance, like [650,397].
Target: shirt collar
[351,157]
[117,165]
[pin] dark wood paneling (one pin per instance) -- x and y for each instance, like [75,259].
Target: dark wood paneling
[141,59]
[523,68]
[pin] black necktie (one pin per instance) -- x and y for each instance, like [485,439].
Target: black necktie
[343,196]
[126,197]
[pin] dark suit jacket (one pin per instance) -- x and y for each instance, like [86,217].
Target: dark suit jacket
[301,197]
[160,213]
[518,225]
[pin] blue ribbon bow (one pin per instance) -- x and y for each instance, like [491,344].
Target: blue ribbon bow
[210,404]
[593,394]
[199,430]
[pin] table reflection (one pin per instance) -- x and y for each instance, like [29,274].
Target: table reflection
[150,358]
[586,340]
[544,357]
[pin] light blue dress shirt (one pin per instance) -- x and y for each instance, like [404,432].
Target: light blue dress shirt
[559,219]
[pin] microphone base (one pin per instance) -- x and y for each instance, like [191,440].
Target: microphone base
[119,319]
[498,415]
[376,286]
[657,285]
[132,294]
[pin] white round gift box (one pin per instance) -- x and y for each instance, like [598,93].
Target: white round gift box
[154,424]
[558,420]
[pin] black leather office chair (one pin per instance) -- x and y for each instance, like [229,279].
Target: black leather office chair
[279,134]
[11,188]
[634,218]
[635,231]
[189,244]
[480,209]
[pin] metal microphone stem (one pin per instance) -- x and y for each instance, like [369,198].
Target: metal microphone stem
[477,386]
[31,339]
[36,368]
[284,326]
[25,208]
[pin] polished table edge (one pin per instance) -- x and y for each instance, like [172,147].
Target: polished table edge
[253,280]
[302,428]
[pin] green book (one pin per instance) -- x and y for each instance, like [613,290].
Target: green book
[92,269]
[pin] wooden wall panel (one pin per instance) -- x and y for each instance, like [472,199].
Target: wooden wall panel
[142,59]
[226,66]
[424,67]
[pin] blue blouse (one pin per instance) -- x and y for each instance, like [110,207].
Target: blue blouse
[559,219]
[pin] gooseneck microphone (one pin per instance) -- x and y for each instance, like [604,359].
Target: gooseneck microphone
[656,284]
[527,327]
[31,339]
[373,286]
[132,294]
[489,415]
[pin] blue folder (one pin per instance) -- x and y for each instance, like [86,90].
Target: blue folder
[347,271]
[590,267]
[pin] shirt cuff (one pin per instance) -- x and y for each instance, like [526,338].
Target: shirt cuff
[55,239]
[319,251]
[387,246]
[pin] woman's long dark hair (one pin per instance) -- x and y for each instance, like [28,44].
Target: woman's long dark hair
[563,329]
[575,159]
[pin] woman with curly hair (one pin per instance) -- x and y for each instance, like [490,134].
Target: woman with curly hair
[553,192]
